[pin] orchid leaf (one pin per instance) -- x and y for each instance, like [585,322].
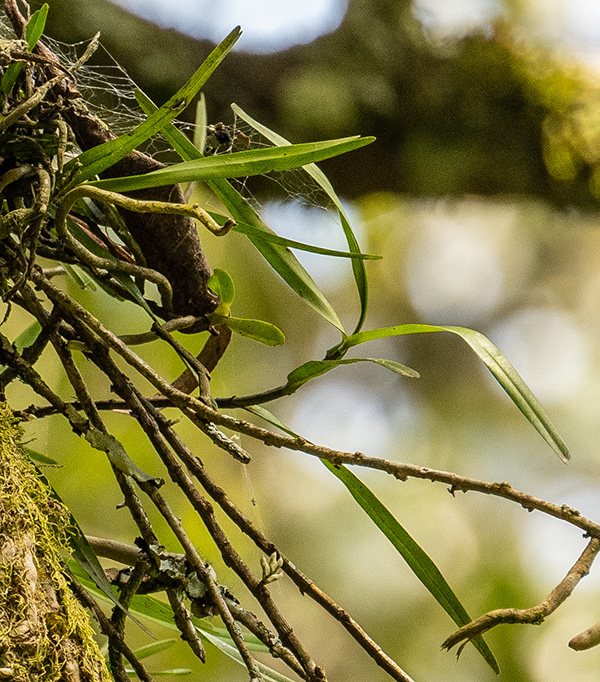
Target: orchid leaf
[101,157]
[504,373]
[358,268]
[314,368]
[417,559]
[235,165]
[33,32]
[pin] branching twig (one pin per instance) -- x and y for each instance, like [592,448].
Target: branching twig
[535,614]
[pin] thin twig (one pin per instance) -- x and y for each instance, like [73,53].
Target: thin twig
[304,584]
[587,639]
[535,614]
[129,554]
[400,471]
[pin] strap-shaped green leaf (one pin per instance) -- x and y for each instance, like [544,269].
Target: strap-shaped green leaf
[504,373]
[358,268]
[154,648]
[26,338]
[103,156]
[417,559]
[236,165]
[36,25]
[33,32]
[254,232]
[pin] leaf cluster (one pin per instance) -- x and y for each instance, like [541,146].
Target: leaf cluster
[70,202]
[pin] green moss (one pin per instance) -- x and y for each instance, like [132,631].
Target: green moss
[45,633]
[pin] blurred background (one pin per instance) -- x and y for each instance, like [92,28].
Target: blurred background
[481,192]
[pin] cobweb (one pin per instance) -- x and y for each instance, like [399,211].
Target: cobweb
[293,185]
[109,93]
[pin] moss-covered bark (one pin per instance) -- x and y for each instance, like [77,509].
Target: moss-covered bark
[45,633]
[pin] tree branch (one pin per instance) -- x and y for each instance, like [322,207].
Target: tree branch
[535,614]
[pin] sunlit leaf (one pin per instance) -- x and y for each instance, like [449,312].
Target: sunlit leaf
[40,458]
[358,268]
[173,672]
[249,230]
[33,32]
[35,26]
[80,276]
[154,648]
[26,338]
[200,123]
[268,674]
[235,165]
[506,375]
[221,283]
[420,563]
[270,418]
[257,330]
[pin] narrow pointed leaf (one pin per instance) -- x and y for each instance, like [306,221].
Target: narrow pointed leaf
[270,418]
[504,373]
[40,458]
[154,648]
[103,156]
[315,368]
[249,230]
[172,672]
[10,77]
[33,32]
[235,165]
[268,674]
[280,258]
[417,559]
[358,268]
[35,26]
[201,123]
[80,276]
[26,338]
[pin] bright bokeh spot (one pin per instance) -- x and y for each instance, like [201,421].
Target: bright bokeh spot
[314,225]
[456,266]
[550,350]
